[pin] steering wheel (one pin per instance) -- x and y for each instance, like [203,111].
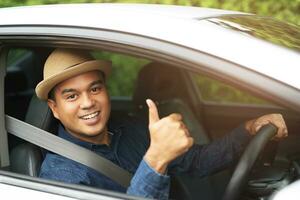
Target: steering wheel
[247,160]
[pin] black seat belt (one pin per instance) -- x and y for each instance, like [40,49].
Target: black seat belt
[67,149]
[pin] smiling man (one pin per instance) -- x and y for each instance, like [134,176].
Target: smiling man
[83,106]
[74,86]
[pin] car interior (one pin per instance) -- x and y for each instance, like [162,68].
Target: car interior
[173,89]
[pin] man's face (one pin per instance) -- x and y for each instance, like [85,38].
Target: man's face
[82,105]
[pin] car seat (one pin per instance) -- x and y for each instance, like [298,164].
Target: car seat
[166,86]
[26,158]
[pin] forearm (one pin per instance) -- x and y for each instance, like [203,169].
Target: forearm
[206,159]
[146,182]
[222,152]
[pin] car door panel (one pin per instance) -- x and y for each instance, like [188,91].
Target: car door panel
[220,119]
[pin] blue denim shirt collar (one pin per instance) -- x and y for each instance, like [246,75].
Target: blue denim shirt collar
[115,131]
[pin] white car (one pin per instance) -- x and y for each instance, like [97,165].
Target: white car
[217,68]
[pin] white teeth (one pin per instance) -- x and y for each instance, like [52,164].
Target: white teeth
[90,116]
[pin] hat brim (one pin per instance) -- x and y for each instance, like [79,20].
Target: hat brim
[44,87]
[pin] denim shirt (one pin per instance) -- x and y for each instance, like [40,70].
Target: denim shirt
[129,142]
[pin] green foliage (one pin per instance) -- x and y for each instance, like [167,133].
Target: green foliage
[124,72]
[268,29]
[215,91]
[287,10]
[14,55]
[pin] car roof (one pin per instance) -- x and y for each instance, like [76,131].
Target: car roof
[71,11]
[186,26]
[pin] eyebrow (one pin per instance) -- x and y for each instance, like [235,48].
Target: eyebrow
[69,90]
[96,83]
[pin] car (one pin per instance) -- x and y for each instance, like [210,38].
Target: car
[216,68]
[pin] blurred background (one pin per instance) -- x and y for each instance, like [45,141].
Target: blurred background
[286,10]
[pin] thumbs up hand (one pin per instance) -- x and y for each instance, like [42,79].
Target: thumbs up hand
[169,138]
[153,112]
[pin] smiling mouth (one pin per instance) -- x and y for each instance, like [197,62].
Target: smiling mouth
[90,116]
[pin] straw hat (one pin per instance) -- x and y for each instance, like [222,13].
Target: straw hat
[63,64]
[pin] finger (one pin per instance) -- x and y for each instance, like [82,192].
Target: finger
[153,112]
[260,124]
[284,127]
[257,128]
[280,124]
[185,129]
[190,142]
[187,133]
[176,116]
[282,132]
[285,131]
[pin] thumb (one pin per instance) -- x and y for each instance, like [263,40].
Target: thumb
[153,112]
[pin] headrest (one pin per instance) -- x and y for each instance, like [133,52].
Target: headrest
[166,85]
[40,115]
[157,81]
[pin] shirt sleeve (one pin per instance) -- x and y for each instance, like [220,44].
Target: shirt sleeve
[58,168]
[203,160]
[146,182]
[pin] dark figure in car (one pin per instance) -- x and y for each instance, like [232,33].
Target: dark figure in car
[74,86]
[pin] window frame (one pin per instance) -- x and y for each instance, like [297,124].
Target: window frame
[4,154]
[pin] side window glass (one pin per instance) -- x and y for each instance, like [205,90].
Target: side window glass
[212,90]
[15,56]
[124,72]
[18,89]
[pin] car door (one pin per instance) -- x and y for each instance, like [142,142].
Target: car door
[218,118]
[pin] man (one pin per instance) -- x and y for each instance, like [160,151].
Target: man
[74,86]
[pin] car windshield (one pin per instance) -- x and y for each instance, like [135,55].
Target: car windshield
[266,28]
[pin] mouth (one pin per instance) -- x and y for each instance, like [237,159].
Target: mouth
[90,116]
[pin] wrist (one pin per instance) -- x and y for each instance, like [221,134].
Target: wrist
[156,161]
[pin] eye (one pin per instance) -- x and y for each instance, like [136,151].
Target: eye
[71,97]
[96,89]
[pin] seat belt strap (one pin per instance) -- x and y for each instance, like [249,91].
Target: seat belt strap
[67,149]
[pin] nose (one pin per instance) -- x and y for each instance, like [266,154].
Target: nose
[87,102]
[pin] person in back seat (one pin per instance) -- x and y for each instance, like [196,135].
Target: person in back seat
[74,87]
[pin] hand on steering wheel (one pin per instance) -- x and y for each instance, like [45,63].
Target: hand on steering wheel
[247,160]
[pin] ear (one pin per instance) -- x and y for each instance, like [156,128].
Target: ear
[53,106]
